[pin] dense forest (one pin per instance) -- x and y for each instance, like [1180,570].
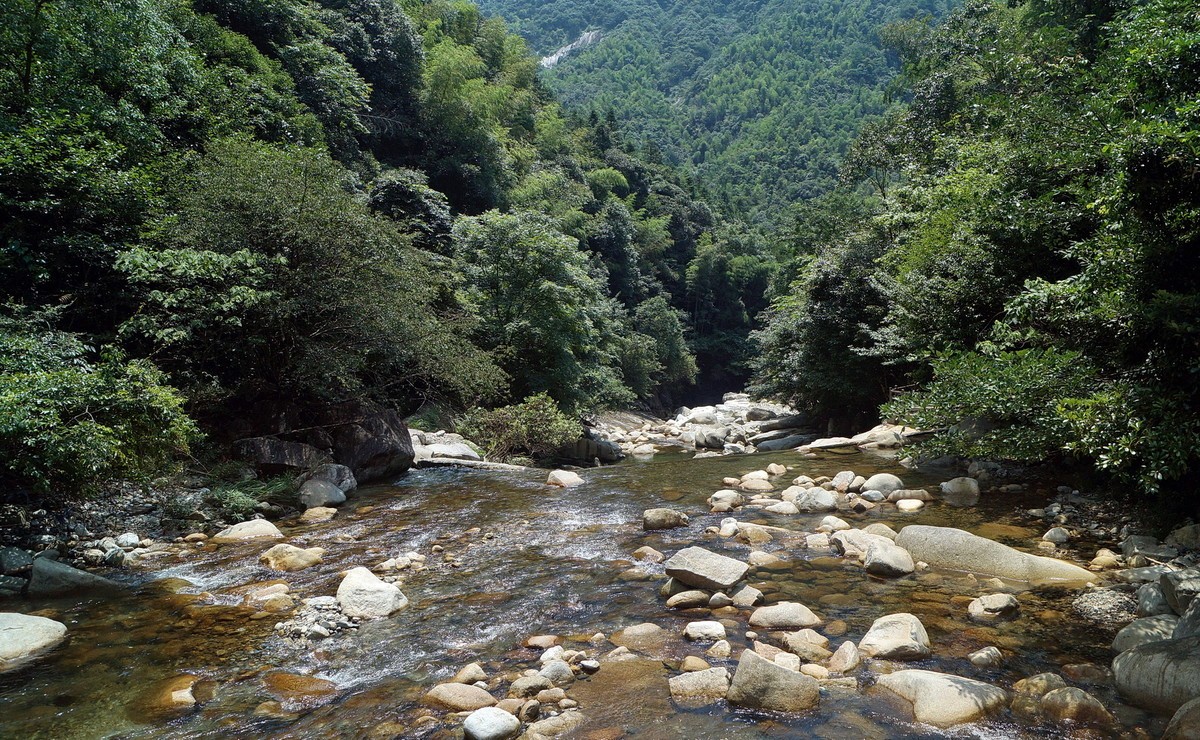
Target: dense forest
[1014,256]
[756,100]
[212,206]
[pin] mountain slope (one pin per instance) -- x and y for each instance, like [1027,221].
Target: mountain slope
[760,98]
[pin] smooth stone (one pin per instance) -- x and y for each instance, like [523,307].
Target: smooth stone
[564,479]
[719,649]
[1076,705]
[648,554]
[1180,587]
[1145,630]
[527,686]
[761,684]
[896,637]
[315,492]
[700,687]
[362,594]
[954,549]
[52,578]
[783,507]
[1185,723]
[879,529]
[834,523]
[702,568]
[943,700]
[845,658]
[470,673]
[1151,601]
[688,599]
[255,529]
[692,663]
[1057,535]
[816,500]
[459,697]
[557,672]
[910,505]
[801,646]
[786,615]
[746,597]
[1039,685]
[885,483]
[1188,624]
[882,558]
[653,519]
[994,607]
[988,657]
[491,723]
[285,557]
[318,514]
[24,637]
[960,487]
[1161,675]
[704,631]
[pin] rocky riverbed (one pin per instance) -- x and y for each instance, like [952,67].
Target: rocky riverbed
[825,592]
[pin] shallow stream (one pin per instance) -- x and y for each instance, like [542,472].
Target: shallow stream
[557,564]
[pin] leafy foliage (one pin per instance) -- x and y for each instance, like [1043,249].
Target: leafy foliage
[534,427]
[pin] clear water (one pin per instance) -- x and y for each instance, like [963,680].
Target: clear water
[555,565]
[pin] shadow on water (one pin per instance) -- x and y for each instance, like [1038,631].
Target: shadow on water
[557,561]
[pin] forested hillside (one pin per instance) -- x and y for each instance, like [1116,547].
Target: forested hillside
[1026,258]
[760,99]
[212,206]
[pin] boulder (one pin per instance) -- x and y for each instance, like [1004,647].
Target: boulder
[557,672]
[339,475]
[50,578]
[954,549]
[845,658]
[1162,676]
[960,487]
[24,637]
[1144,630]
[1185,723]
[761,684]
[943,700]
[883,558]
[786,615]
[793,421]
[1057,535]
[1075,705]
[255,529]
[700,687]
[988,657]
[789,442]
[315,492]
[816,500]
[702,568]
[1151,601]
[271,456]
[885,483]
[909,494]
[1187,537]
[490,723]
[362,594]
[290,558]
[564,479]
[994,607]
[704,631]
[726,497]
[1189,624]
[376,446]
[853,543]
[459,697]
[896,637]
[689,599]
[881,530]
[1180,587]
[663,519]
[318,515]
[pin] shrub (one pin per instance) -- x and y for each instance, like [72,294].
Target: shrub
[535,426]
[68,423]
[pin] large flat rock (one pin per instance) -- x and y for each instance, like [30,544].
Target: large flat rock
[52,578]
[954,549]
[24,637]
[943,700]
[702,568]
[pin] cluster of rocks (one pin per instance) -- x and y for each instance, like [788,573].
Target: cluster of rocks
[736,426]
[535,700]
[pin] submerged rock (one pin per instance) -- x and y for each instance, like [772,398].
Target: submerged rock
[290,558]
[700,687]
[761,684]
[943,700]
[663,519]
[24,637]
[954,549]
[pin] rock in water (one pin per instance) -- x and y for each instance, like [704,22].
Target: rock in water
[1160,675]
[316,492]
[786,615]
[943,700]
[255,529]
[883,558]
[362,594]
[896,637]
[994,607]
[24,637]
[52,578]
[1075,705]
[701,568]
[564,479]
[885,483]
[760,684]
[954,549]
[290,558]
[490,723]
[1145,630]
[1185,724]
[700,687]
[459,697]
[663,519]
